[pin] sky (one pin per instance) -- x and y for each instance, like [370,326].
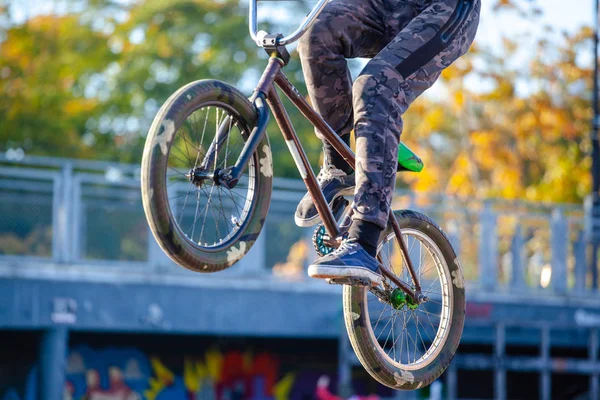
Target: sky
[562,14]
[493,26]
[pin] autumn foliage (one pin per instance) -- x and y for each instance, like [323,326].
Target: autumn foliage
[86,82]
[508,129]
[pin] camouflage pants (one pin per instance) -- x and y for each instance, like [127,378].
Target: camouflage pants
[409,42]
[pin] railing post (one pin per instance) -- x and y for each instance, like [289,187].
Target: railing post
[56,218]
[545,376]
[65,207]
[518,259]
[580,261]
[157,259]
[454,235]
[559,243]
[488,248]
[593,357]
[77,228]
[344,366]
[591,220]
[452,381]
[500,373]
[53,362]
[255,261]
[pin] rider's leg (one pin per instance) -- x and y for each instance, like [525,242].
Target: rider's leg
[390,82]
[345,29]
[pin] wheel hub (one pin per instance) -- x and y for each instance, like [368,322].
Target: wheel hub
[198,176]
[399,299]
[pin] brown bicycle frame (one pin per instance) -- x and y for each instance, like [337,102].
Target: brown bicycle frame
[274,75]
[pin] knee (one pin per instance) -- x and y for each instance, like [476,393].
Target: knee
[362,84]
[378,93]
[365,88]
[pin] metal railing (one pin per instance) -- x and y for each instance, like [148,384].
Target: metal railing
[77,212]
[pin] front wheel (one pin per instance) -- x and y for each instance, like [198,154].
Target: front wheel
[401,344]
[198,222]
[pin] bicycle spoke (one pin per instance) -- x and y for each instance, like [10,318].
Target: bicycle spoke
[227,144]
[408,334]
[204,127]
[195,215]
[383,329]
[392,334]
[178,172]
[184,162]
[184,203]
[235,203]
[189,151]
[222,211]
[416,319]
[380,315]
[396,341]
[203,222]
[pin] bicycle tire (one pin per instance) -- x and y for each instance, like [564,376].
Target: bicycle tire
[164,227]
[366,346]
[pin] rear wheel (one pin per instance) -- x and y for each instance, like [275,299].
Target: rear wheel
[199,222]
[405,345]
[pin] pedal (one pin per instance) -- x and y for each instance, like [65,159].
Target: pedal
[349,281]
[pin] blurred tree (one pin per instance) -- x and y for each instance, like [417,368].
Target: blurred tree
[85,79]
[46,65]
[521,132]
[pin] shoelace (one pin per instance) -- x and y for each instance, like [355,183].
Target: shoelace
[330,173]
[346,245]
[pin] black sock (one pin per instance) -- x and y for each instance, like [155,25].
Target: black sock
[333,158]
[367,234]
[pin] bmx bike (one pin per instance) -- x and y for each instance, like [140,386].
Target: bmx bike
[206,182]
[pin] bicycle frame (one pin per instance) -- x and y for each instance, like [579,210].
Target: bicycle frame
[265,90]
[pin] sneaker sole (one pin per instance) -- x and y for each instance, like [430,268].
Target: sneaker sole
[335,272]
[308,222]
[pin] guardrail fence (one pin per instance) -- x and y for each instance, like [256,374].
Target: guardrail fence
[87,212]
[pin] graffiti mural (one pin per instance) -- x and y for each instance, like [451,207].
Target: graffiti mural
[127,373]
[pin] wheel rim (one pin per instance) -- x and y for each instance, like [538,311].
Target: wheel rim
[210,215]
[410,337]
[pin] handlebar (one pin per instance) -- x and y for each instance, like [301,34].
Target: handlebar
[306,23]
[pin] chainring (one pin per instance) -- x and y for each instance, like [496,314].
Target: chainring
[320,235]
[318,239]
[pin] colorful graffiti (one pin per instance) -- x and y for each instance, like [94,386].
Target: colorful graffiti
[131,374]
[128,374]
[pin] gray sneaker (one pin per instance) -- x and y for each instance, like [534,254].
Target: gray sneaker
[333,183]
